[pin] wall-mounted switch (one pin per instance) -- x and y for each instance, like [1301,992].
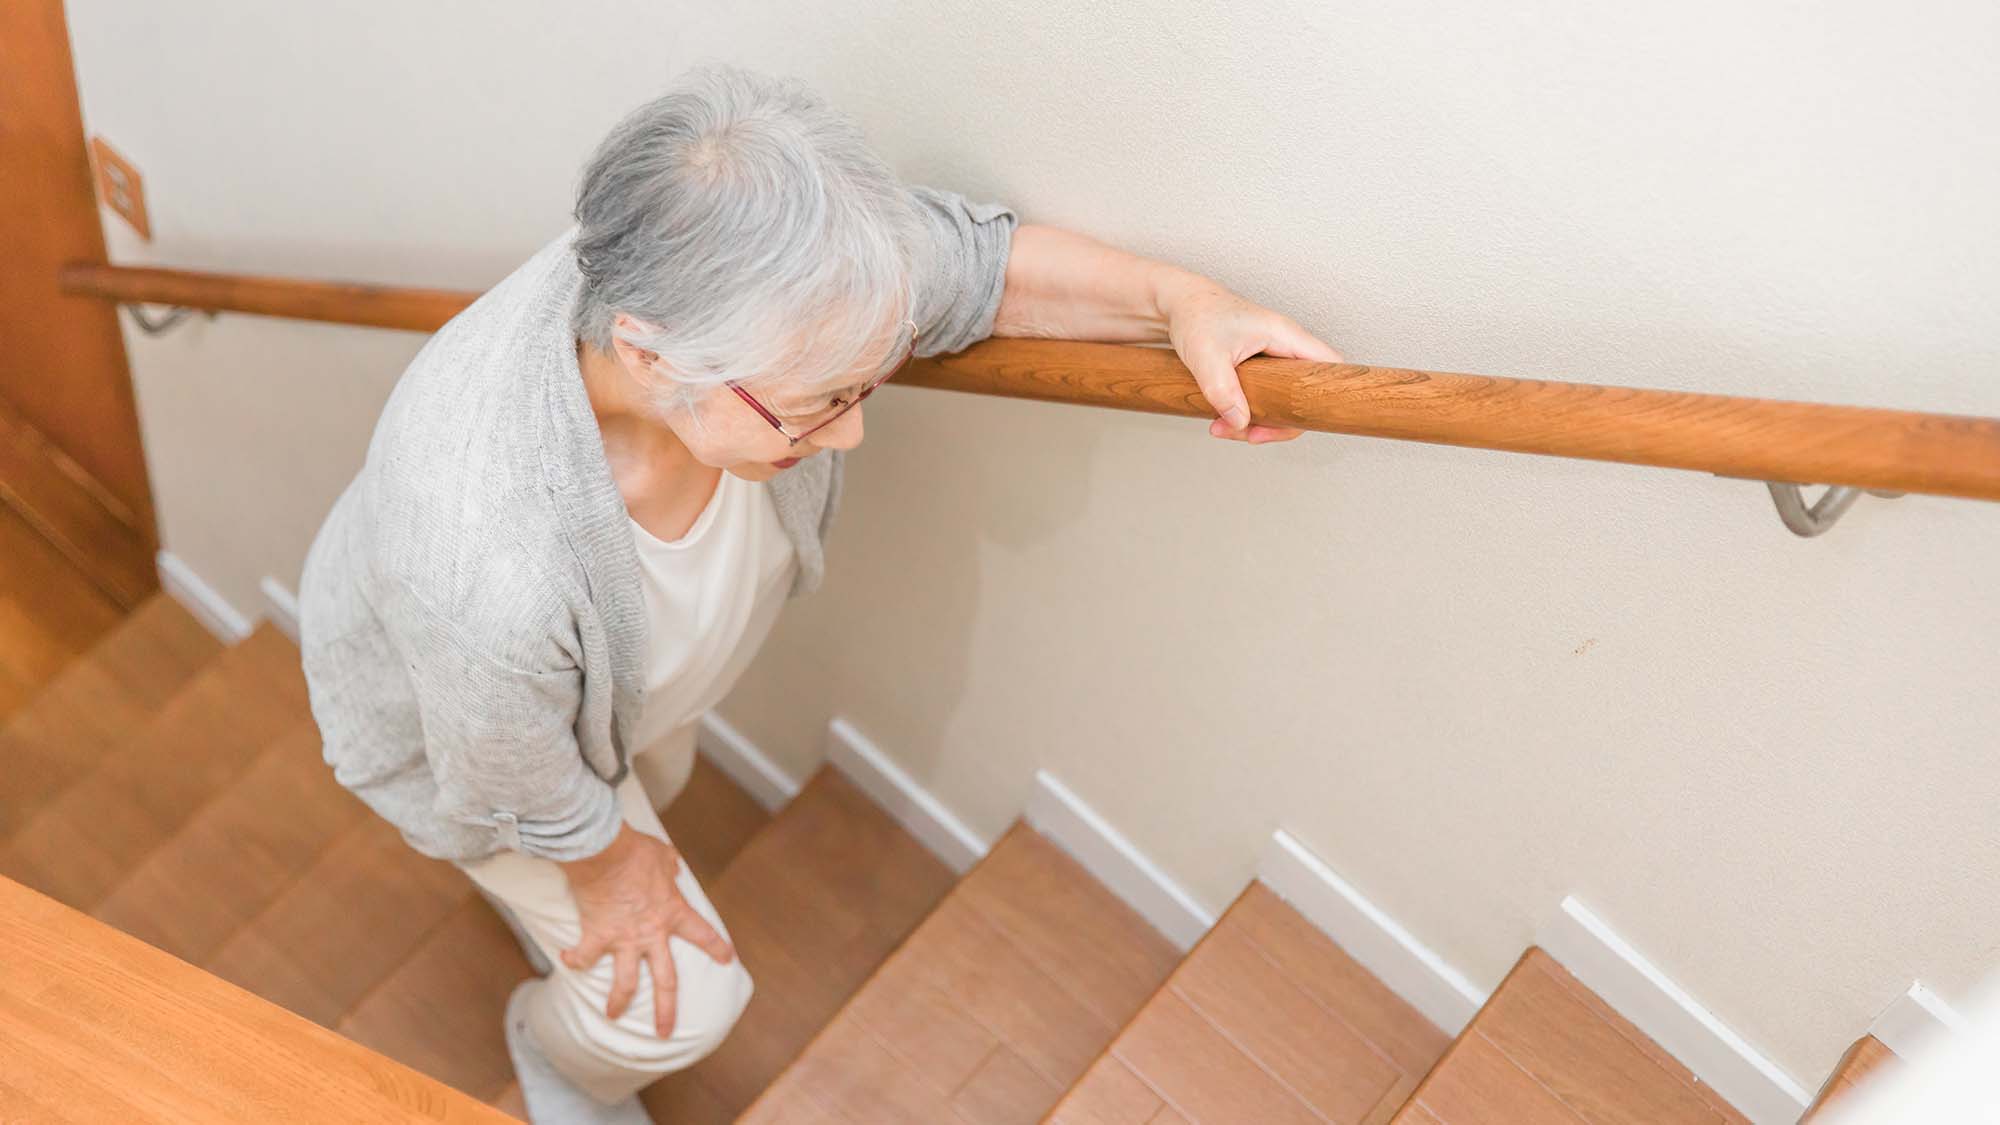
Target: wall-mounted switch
[119,186]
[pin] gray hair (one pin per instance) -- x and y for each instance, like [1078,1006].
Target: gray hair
[749,230]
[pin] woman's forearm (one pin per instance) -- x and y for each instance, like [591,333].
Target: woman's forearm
[1061,285]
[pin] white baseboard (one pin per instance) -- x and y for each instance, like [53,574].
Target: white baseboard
[899,795]
[737,756]
[1411,969]
[281,606]
[1636,989]
[1914,1020]
[1060,815]
[200,599]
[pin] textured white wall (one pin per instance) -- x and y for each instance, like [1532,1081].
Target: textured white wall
[1473,682]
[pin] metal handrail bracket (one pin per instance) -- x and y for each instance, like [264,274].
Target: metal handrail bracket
[166,322]
[1808,521]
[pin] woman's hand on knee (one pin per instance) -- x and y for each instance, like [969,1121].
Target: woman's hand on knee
[629,906]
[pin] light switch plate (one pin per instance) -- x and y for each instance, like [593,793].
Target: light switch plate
[119,186]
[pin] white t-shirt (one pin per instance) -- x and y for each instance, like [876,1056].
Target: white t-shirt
[711,598]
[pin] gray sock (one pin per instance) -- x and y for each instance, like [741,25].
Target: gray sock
[552,1099]
[537,960]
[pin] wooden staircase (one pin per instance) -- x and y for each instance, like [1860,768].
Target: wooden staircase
[995,1005]
[1544,1048]
[174,788]
[1265,1020]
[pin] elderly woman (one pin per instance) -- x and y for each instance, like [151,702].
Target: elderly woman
[591,492]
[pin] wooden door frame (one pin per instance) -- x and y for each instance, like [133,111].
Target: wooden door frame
[71,458]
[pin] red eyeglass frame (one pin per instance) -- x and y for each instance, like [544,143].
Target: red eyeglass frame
[908,354]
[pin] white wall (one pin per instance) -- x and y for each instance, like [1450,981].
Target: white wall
[1473,681]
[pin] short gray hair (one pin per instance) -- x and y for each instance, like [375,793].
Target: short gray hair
[749,229]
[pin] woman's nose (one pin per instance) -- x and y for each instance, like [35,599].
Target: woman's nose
[843,432]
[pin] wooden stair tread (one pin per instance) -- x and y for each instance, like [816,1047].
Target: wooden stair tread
[1197,1070]
[238,853]
[1868,1057]
[86,839]
[156,649]
[712,821]
[1094,946]
[102,1027]
[1267,1019]
[1314,964]
[1546,1049]
[995,1005]
[814,903]
[441,1011]
[106,547]
[349,922]
[1477,1082]
[31,654]
[1108,1093]
[50,613]
[97,702]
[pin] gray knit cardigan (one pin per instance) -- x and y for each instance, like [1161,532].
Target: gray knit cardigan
[470,613]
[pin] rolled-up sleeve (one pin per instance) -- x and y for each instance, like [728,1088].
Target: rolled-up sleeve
[501,744]
[961,268]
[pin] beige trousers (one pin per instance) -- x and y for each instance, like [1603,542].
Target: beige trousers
[613,1059]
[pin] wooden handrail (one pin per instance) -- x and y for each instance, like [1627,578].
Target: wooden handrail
[333,302]
[1757,439]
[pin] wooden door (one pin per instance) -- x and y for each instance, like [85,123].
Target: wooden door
[70,458]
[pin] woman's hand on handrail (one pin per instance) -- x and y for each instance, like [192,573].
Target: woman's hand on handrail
[1213,330]
[629,907]
[1061,285]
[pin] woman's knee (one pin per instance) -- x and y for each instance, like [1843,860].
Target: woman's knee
[706,1023]
[707,1007]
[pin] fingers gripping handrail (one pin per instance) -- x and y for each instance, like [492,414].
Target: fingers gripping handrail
[1757,439]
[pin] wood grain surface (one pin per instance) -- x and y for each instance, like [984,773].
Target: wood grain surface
[1866,1058]
[49,615]
[97,701]
[110,544]
[1266,1019]
[87,839]
[331,302]
[63,366]
[96,1025]
[1547,1051]
[996,1004]
[1757,439]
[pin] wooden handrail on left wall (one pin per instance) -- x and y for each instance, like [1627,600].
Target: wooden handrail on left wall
[330,302]
[1752,438]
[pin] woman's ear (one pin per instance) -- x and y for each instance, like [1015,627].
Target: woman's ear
[624,325]
[637,360]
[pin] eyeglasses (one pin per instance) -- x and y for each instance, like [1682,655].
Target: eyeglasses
[841,405]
